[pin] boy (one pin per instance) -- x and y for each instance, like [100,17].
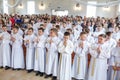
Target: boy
[100,54]
[52,54]
[111,44]
[40,52]
[65,49]
[116,62]
[17,50]
[80,60]
[29,43]
[5,51]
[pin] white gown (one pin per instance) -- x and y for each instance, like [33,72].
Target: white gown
[17,52]
[39,64]
[80,60]
[115,62]
[5,51]
[30,52]
[64,71]
[98,64]
[52,56]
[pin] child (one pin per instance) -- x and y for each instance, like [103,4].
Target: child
[60,34]
[52,54]
[17,50]
[111,44]
[5,52]
[100,54]
[29,43]
[65,49]
[40,52]
[116,62]
[80,60]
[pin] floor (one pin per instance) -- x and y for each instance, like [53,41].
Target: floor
[19,75]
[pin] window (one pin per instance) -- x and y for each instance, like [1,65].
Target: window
[91,10]
[31,7]
[60,13]
[5,7]
[119,8]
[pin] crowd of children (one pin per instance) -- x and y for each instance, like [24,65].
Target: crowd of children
[45,44]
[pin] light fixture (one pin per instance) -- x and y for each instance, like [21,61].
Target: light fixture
[77,7]
[42,6]
[20,6]
[106,8]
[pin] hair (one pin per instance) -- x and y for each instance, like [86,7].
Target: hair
[4,26]
[69,29]
[57,26]
[83,33]
[30,29]
[66,34]
[41,29]
[41,25]
[87,30]
[102,35]
[54,30]
[16,27]
[108,33]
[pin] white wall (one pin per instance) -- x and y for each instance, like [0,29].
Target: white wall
[66,5]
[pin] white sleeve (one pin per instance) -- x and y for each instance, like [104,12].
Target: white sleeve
[105,53]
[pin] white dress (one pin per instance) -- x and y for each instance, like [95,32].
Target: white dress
[80,60]
[98,64]
[39,64]
[64,71]
[17,52]
[30,51]
[52,56]
[5,51]
[115,62]
[5,54]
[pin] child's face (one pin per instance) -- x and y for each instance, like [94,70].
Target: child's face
[52,33]
[99,28]
[15,30]
[118,43]
[66,38]
[4,28]
[83,37]
[30,32]
[101,40]
[40,32]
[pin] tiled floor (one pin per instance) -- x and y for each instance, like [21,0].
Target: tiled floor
[19,75]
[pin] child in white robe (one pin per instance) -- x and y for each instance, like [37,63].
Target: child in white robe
[98,65]
[65,49]
[115,75]
[40,52]
[17,50]
[5,51]
[30,52]
[52,54]
[111,44]
[80,60]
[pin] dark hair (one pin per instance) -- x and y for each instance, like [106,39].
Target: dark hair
[82,33]
[4,26]
[54,30]
[87,30]
[108,33]
[66,34]
[30,29]
[57,26]
[102,35]
[69,29]
[41,29]
[16,27]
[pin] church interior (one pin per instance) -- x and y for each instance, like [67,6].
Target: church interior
[59,39]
